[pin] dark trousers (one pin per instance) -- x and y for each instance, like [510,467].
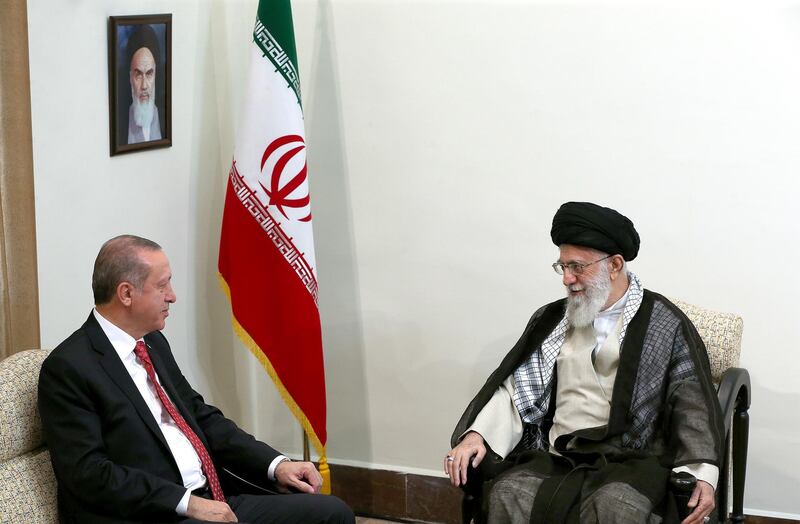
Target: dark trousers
[297,508]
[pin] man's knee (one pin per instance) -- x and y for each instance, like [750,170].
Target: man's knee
[511,496]
[518,480]
[616,502]
[302,508]
[504,485]
[334,510]
[321,509]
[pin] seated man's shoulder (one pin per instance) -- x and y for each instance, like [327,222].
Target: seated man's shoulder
[71,358]
[74,346]
[666,316]
[665,308]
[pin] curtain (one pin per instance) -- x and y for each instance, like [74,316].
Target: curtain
[19,289]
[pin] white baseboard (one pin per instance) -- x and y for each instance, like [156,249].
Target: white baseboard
[773,514]
[389,467]
[372,465]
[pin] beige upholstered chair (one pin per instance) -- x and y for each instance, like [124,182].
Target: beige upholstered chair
[27,483]
[722,335]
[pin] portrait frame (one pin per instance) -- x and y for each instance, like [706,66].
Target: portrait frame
[139,40]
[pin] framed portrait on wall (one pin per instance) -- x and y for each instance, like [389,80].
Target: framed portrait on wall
[140,82]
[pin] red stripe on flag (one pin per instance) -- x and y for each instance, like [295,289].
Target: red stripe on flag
[275,308]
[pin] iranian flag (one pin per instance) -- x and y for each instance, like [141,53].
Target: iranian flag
[266,253]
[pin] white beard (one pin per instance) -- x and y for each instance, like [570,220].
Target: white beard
[143,112]
[583,309]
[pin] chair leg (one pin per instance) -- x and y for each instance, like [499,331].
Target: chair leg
[722,483]
[467,508]
[741,428]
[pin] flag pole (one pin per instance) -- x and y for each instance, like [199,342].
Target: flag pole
[306,450]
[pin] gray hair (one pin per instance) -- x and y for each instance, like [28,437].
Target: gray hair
[118,261]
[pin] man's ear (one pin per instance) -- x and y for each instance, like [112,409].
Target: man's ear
[617,263]
[125,293]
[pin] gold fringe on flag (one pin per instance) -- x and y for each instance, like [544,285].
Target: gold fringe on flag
[254,348]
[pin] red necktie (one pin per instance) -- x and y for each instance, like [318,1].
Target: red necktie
[205,459]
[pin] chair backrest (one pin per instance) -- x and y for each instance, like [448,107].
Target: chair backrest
[721,333]
[27,482]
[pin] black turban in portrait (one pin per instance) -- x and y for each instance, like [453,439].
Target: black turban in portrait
[589,225]
[142,36]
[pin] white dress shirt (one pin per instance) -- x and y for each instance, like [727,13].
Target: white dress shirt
[606,320]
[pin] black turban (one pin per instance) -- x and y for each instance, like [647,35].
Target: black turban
[589,225]
[142,36]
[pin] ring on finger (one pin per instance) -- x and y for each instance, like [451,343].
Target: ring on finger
[450,458]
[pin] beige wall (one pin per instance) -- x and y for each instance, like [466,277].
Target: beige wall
[442,136]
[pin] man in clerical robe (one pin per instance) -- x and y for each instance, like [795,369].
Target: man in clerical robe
[607,393]
[144,124]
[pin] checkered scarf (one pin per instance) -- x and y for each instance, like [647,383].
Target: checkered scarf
[534,378]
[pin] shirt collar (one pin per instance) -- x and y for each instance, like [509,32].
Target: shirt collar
[123,343]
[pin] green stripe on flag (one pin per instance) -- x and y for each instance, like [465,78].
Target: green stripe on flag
[274,35]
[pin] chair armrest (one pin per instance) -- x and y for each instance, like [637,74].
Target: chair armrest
[238,485]
[490,467]
[733,393]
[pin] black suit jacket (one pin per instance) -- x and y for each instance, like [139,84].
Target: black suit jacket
[110,458]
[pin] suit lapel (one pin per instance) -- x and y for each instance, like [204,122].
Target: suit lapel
[113,366]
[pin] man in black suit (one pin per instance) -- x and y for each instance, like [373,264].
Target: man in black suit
[129,447]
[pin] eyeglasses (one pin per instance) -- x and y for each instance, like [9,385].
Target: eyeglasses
[576,268]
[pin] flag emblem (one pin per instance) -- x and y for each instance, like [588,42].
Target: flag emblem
[285,161]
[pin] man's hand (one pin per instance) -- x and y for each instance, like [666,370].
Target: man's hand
[209,510]
[302,476]
[702,501]
[457,461]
